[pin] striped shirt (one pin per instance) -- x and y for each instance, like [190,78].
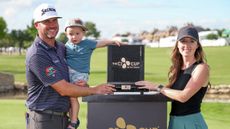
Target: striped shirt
[46,65]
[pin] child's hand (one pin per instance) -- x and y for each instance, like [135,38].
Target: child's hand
[82,83]
[118,43]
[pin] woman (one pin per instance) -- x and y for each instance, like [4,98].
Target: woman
[188,81]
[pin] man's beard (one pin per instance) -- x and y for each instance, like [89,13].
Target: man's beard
[51,33]
[50,36]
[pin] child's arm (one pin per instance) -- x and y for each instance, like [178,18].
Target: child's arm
[103,43]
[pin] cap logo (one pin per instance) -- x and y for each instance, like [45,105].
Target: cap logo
[47,10]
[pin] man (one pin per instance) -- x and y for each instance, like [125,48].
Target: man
[47,75]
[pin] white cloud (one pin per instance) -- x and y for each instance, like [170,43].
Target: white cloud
[21,2]
[112,16]
[9,12]
[15,12]
[12,6]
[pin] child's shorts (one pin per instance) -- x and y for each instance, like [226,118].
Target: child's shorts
[76,76]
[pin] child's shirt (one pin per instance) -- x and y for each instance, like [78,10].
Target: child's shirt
[78,55]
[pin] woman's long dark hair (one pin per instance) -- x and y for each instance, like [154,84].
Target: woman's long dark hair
[177,62]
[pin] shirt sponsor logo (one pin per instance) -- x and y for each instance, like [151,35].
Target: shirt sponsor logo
[50,71]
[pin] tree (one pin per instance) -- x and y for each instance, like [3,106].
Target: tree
[92,30]
[20,37]
[3,28]
[212,36]
[31,33]
[62,38]
[220,32]
[31,30]
[7,41]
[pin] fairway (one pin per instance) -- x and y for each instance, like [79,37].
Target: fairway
[13,111]
[157,62]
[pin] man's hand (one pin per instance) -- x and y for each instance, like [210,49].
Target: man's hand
[104,89]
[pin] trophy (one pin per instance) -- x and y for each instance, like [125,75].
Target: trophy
[125,67]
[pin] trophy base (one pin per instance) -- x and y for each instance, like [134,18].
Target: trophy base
[127,87]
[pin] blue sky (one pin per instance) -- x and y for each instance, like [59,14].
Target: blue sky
[120,16]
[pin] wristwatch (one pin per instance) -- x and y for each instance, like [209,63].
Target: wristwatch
[159,88]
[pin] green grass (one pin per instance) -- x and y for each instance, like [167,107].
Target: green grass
[216,115]
[13,111]
[157,62]
[219,61]
[12,114]
[14,64]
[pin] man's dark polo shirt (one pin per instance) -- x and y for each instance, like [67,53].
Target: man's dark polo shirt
[46,65]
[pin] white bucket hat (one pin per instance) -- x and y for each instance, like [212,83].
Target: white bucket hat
[44,12]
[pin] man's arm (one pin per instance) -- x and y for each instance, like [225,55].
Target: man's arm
[65,88]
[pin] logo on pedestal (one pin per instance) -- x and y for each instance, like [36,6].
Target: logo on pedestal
[121,124]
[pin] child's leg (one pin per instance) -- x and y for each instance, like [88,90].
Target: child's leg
[75,76]
[73,113]
[74,109]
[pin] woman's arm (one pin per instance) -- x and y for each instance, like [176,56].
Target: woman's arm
[199,78]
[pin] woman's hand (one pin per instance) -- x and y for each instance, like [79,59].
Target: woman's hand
[146,85]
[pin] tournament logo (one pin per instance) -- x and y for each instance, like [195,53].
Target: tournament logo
[127,64]
[50,71]
[122,124]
